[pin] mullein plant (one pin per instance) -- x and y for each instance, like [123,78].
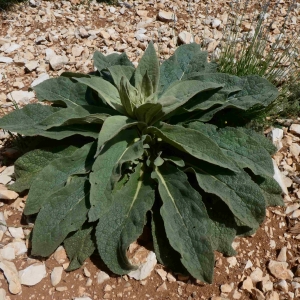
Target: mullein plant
[252,53]
[146,146]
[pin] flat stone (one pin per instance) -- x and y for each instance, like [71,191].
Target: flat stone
[215,23]
[162,288]
[279,178]
[60,255]
[42,77]
[102,277]
[226,288]
[8,195]
[277,135]
[16,232]
[283,286]
[83,33]
[3,294]
[77,50]
[32,65]
[83,298]
[22,97]
[11,274]
[145,269]
[49,53]
[40,39]
[292,208]
[166,16]
[282,255]
[295,149]
[171,278]
[266,284]
[6,60]
[295,128]
[8,171]
[273,296]
[232,261]
[57,62]
[104,34]
[162,273]
[9,48]
[56,275]
[19,246]
[3,224]
[5,179]
[256,275]
[247,284]
[7,253]
[257,294]
[186,37]
[280,270]
[33,274]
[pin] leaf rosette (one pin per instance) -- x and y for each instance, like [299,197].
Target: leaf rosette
[145,146]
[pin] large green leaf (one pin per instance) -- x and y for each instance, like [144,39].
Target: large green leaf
[65,212]
[30,117]
[117,72]
[260,139]
[112,126]
[124,221]
[186,60]
[241,147]
[147,112]
[223,226]
[54,176]
[187,224]
[28,166]
[193,142]
[78,115]
[182,91]
[105,90]
[102,61]
[79,246]
[133,152]
[165,254]
[128,95]
[256,92]
[270,189]
[102,171]
[64,90]
[149,64]
[237,190]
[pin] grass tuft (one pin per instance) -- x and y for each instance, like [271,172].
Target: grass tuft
[257,51]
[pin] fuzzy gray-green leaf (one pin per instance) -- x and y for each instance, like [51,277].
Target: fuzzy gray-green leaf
[193,142]
[239,146]
[30,117]
[149,63]
[63,90]
[80,246]
[186,60]
[102,171]
[124,221]
[237,190]
[106,91]
[65,212]
[77,115]
[186,221]
[102,61]
[54,176]
[182,91]
[112,126]
[28,166]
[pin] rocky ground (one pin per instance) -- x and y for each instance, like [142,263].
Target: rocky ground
[39,40]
